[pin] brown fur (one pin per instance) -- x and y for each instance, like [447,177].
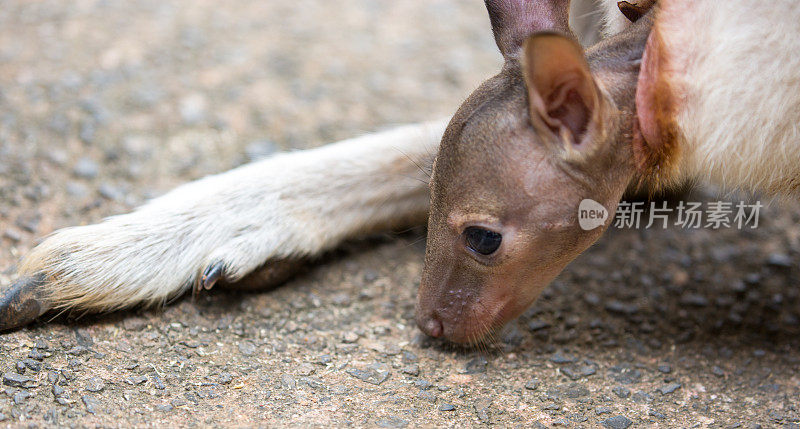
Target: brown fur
[656,139]
[519,156]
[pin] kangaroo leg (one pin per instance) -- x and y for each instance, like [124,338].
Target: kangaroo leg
[267,215]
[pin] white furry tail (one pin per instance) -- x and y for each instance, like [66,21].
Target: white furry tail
[286,207]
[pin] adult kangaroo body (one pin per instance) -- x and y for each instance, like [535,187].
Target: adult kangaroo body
[718,100]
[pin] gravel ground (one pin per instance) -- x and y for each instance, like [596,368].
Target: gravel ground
[104,104]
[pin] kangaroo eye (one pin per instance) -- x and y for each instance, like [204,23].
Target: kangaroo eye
[482,240]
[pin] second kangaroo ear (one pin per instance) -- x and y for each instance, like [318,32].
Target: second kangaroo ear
[514,20]
[562,94]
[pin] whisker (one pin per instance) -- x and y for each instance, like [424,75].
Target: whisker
[421,169]
[419,240]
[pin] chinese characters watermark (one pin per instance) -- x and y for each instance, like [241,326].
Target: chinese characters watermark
[686,215]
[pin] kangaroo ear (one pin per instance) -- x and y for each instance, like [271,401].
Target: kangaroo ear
[562,94]
[514,20]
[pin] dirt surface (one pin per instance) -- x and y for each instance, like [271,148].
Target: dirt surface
[104,104]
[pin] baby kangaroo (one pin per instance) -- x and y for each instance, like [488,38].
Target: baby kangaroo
[694,89]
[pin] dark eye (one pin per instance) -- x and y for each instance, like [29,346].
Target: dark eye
[482,240]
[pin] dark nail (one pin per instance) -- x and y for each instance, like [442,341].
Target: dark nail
[23,303]
[212,274]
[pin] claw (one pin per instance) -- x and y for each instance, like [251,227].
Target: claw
[22,304]
[212,274]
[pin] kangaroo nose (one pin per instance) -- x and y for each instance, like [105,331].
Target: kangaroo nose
[432,327]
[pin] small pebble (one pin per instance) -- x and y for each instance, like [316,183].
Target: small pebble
[305,369]
[110,192]
[14,379]
[622,392]
[617,422]
[193,108]
[371,375]
[350,337]
[780,260]
[392,423]
[288,382]
[247,348]
[21,396]
[86,168]
[669,388]
[423,384]
[560,358]
[444,406]
[260,149]
[13,235]
[95,384]
[136,380]
[412,369]
[694,300]
[134,323]
[426,395]
[537,325]
[409,357]
[476,366]
[91,403]
[622,308]
[224,378]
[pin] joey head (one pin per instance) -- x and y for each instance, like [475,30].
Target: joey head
[549,131]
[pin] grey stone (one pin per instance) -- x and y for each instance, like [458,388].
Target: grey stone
[224,378]
[247,348]
[260,149]
[373,374]
[561,358]
[669,388]
[537,325]
[136,380]
[781,260]
[476,366]
[91,403]
[86,168]
[617,422]
[392,423]
[14,379]
[412,369]
[95,384]
[288,382]
[622,392]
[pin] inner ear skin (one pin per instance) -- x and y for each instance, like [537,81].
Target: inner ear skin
[561,90]
[568,107]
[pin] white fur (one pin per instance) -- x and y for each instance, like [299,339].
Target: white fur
[739,63]
[613,20]
[293,204]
